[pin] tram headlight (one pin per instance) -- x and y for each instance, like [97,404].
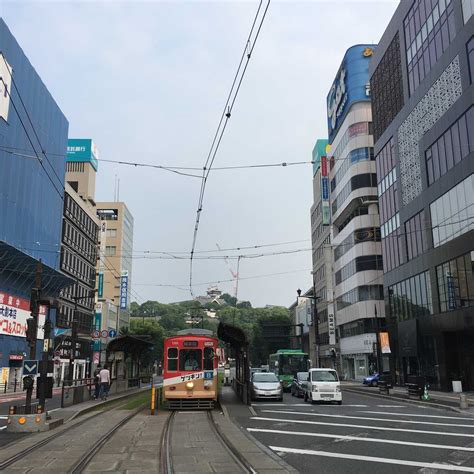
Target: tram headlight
[189,385]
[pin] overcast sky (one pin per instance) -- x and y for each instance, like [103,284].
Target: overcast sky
[148,81]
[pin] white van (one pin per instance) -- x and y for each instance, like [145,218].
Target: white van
[323,385]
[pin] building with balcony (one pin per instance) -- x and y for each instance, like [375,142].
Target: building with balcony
[355,223]
[423,115]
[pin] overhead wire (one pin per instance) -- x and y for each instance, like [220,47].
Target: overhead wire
[224,120]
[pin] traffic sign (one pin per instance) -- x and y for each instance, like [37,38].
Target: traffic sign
[95,334]
[30,367]
[112,333]
[104,333]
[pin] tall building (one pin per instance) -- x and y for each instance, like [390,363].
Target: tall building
[31,199]
[115,267]
[421,78]
[355,240]
[323,337]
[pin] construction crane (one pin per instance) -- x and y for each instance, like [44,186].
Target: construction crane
[235,274]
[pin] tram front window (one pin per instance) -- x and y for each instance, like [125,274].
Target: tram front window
[292,364]
[190,359]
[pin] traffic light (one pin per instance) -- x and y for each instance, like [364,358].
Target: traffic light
[31,331]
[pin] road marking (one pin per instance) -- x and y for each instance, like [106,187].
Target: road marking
[358,438]
[3,417]
[365,427]
[3,427]
[424,416]
[356,457]
[54,409]
[305,405]
[368,418]
[390,406]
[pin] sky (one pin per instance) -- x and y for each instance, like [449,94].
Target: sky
[148,80]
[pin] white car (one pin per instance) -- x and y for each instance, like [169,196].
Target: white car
[323,385]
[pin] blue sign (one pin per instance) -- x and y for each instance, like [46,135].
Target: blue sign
[61,332]
[97,346]
[100,285]
[112,333]
[208,375]
[123,290]
[30,367]
[325,187]
[451,292]
[82,150]
[350,86]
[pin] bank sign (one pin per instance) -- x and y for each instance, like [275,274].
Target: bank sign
[82,150]
[350,86]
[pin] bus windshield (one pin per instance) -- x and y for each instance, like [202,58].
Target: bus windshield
[291,364]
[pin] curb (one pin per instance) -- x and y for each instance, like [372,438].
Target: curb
[255,441]
[103,404]
[437,406]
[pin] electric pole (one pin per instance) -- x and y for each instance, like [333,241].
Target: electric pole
[32,331]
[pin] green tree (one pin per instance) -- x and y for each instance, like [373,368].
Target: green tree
[151,328]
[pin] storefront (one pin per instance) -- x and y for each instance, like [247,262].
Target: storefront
[357,356]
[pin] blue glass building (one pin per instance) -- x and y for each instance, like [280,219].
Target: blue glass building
[31,194]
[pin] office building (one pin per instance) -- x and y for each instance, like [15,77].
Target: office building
[422,100]
[115,266]
[355,226]
[323,337]
[31,199]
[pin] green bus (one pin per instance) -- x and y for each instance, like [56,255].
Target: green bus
[286,363]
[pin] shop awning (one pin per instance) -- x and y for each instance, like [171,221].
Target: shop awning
[130,344]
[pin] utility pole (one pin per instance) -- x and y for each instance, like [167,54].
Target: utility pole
[72,351]
[32,331]
[43,378]
[377,335]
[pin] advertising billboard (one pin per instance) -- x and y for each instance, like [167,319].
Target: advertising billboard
[123,290]
[82,150]
[324,190]
[318,151]
[351,85]
[5,87]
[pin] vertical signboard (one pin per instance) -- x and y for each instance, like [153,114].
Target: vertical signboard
[451,292]
[5,87]
[325,190]
[123,290]
[332,329]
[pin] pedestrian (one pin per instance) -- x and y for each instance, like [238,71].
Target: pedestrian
[96,382]
[104,377]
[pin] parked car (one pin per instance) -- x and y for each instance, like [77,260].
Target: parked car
[266,385]
[323,385]
[371,380]
[298,385]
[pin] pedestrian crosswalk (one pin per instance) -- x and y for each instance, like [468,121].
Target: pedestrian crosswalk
[406,440]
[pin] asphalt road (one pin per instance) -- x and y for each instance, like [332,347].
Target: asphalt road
[363,435]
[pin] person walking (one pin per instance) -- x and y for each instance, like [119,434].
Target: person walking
[96,382]
[104,377]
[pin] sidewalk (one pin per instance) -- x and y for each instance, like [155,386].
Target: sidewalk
[437,399]
[248,449]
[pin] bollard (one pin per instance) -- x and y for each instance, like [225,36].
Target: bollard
[463,401]
[153,401]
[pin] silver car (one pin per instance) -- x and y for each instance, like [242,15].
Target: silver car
[266,385]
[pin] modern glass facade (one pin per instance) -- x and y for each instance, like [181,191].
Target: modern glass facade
[31,191]
[425,167]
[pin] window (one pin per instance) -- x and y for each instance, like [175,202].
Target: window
[208,358]
[470,56]
[359,264]
[453,146]
[415,235]
[110,250]
[467,9]
[359,154]
[365,180]
[429,28]
[190,359]
[453,213]
[456,283]
[111,232]
[172,359]
[361,293]
[411,298]
[366,234]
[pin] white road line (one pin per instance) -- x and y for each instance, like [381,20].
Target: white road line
[305,405]
[358,438]
[3,417]
[368,418]
[3,427]
[390,406]
[54,409]
[423,416]
[355,457]
[365,427]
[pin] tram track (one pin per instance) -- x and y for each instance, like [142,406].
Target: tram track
[166,452]
[21,455]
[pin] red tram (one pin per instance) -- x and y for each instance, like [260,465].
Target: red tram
[190,370]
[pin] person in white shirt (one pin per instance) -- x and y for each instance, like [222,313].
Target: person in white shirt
[104,378]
